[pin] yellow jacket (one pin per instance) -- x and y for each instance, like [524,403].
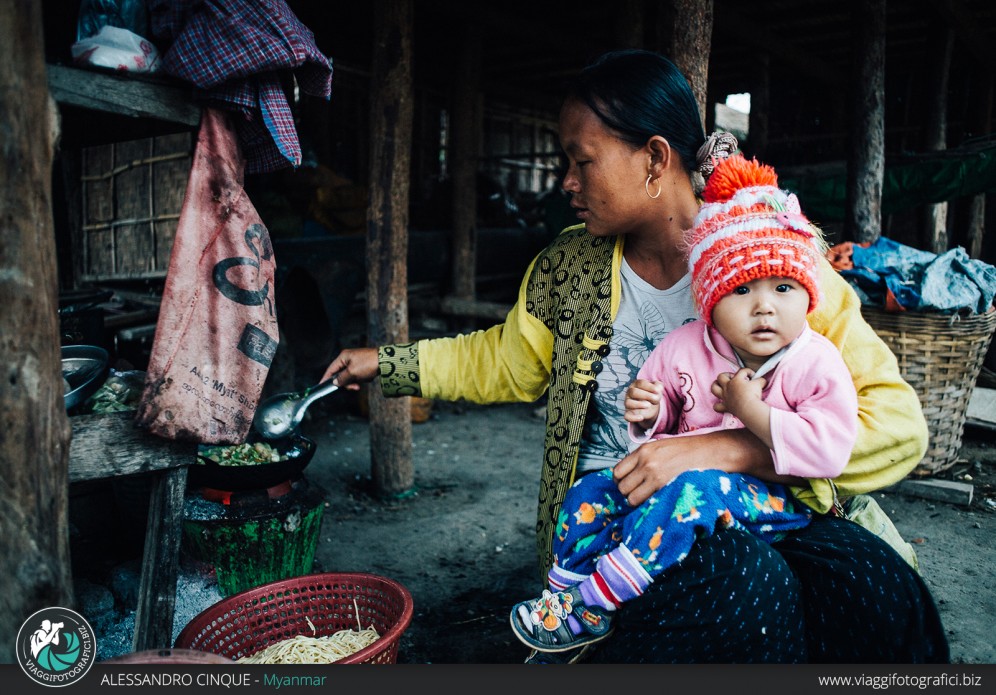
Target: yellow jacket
[558,330]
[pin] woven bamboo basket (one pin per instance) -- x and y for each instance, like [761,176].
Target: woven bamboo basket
[940,355]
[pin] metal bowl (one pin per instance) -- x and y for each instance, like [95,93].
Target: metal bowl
[84,368]
[299,451]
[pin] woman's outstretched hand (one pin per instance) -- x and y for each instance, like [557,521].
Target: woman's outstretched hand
[353,367]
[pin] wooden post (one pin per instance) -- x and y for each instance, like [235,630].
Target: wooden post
[110,445]
[976,224]
[935,215]
[465,127]
[691,41]
[866,165]
[760,105]
[387,234]
[628,24]
[977,204]
[34,444]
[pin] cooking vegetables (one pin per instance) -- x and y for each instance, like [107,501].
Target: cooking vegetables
[121,391]
[242,454]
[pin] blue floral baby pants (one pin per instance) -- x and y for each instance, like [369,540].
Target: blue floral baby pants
[596,518]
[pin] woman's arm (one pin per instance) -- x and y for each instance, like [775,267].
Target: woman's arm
[892,431]
[507,362]
[654,464]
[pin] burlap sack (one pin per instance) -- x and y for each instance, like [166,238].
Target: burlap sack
[217,328]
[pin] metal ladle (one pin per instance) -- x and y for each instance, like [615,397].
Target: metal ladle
[280,415]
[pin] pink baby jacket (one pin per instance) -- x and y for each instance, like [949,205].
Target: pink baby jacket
[814,406]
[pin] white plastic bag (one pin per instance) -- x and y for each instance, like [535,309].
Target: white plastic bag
[118,49]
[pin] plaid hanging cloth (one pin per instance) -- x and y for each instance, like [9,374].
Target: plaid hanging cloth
[241,52]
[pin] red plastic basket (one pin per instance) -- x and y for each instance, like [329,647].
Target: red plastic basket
[252,620]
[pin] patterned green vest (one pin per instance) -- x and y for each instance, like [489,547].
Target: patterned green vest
[570,291]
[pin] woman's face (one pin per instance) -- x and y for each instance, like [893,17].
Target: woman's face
[605,175]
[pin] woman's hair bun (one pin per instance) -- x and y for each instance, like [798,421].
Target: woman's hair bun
[716,147]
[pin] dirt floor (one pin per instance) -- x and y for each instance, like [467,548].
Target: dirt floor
[463,543]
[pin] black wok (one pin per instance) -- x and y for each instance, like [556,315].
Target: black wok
[298,450]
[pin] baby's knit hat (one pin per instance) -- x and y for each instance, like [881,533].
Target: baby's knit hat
[747,229]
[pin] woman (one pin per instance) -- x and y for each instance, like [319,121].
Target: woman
[591,307]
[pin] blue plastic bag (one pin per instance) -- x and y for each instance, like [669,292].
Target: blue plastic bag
[123,14]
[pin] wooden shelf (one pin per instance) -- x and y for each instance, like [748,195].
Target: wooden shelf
[110,444]
[133,96]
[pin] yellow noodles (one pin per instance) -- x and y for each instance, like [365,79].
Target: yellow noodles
[314,650]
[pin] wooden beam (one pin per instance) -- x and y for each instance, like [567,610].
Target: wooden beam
[110,444]
[981,119]
[976,225]
[458,306]
[466,127]
[935,132]
[34,444]
[387,234]
[127,96]
[939,490]
[691,39]
[978,44]
[160,562]
[866,165]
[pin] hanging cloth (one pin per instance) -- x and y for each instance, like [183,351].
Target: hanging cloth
[242,53]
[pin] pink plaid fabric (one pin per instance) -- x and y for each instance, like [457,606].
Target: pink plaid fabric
[240,52]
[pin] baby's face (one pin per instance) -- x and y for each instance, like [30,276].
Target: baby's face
[761,317]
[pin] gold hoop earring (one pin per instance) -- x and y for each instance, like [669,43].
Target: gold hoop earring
[647,186]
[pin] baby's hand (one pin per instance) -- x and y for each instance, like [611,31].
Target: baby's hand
[643,402]
[737,391]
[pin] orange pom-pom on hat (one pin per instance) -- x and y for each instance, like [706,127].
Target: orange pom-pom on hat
[735,173]
[749,228]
